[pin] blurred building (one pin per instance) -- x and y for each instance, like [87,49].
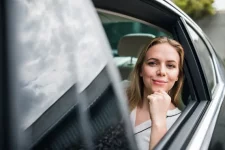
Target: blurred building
[214,27]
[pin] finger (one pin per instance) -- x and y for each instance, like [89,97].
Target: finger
[162,91]
[151,98]
[157,92]
[166,95]
[156,95]
[162,94]
[159,96]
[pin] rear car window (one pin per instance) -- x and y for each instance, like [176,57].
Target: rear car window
[127,36]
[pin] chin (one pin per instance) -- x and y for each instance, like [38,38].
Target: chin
[157,89]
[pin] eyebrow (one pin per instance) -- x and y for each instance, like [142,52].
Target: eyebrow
[152,59]
[158,60]
[171,61]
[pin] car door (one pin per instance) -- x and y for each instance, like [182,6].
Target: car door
[213,72]
[196,90]
[217,131]
[213,78]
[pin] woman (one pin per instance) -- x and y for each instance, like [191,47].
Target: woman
[154,90]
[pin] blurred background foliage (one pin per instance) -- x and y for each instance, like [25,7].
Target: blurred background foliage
[196,9]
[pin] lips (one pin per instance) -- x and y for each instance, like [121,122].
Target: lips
[159,82]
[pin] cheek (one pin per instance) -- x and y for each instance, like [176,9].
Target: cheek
[146,74]
[173,77]
[146,71]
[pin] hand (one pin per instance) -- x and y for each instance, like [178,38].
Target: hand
[159,103]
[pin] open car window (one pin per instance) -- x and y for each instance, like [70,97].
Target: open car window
[127,36]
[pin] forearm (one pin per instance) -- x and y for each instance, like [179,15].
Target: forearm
[158,130]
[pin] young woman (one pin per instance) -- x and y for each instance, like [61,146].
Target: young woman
[154,90]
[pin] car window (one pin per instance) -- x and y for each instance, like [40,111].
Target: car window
[204,58]
[127,36]
[45,57]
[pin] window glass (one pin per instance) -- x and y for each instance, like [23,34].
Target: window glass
[49,40]
[204,58]
[45,56]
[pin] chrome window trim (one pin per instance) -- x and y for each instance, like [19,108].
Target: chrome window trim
[214,76]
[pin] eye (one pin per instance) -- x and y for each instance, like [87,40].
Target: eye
[152,63]
[171,66]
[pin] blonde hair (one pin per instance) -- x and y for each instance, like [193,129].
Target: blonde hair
[136,88]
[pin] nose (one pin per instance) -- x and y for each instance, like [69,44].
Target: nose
[161,70]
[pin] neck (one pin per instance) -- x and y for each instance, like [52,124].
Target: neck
[145,102]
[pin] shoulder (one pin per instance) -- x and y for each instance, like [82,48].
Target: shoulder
[173,113]
[172,116]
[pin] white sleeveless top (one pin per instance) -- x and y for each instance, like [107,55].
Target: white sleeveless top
[142,131]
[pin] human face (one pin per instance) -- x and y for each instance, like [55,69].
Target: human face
[160,69]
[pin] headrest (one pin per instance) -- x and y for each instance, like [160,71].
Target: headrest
[131,44]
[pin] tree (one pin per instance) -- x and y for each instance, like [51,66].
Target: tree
[196,9]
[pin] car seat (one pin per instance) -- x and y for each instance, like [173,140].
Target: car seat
[129,46]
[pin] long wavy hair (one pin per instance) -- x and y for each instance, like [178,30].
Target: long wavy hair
[135,90]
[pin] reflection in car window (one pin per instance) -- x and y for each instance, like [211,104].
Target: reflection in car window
[48,35]
[45,47]
[204,57]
